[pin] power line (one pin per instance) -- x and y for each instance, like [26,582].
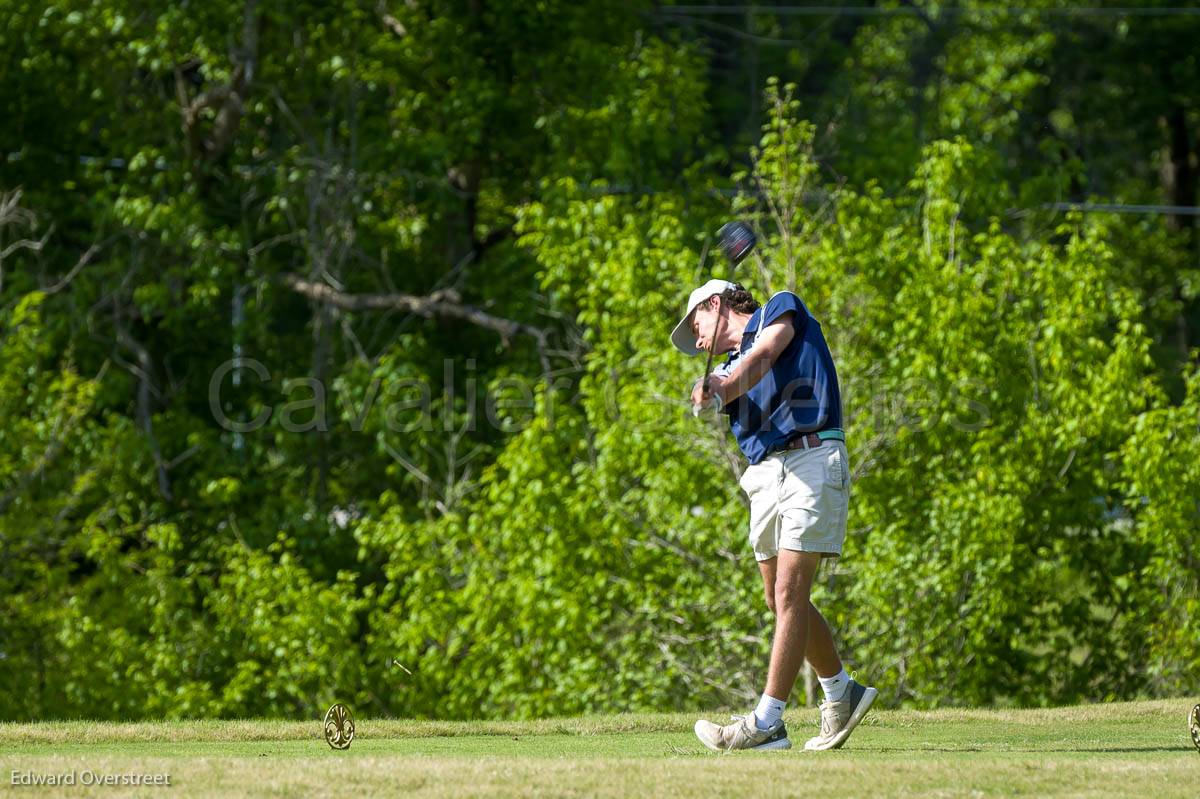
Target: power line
[875,11]
[1117,208]
[817,197]
[681,19]
[624,188]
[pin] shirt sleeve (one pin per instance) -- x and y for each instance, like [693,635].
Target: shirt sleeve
[782,303]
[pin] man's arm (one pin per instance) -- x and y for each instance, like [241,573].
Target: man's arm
[773,340]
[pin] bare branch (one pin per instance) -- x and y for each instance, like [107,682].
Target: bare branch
[75,270]
[391,23]
[13,215]
[443,303]
[145,421]
[24,244]
[225,100]
[11,212]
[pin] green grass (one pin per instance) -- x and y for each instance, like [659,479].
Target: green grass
[1135,749]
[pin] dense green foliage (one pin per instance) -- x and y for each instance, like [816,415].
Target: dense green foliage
[335,356]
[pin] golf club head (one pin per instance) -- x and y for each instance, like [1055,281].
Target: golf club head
[736,241]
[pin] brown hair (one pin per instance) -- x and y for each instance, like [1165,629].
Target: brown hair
[739,299]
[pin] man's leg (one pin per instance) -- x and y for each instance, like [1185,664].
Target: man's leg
[764,728]
[791,576]
[793,587]
[820,650]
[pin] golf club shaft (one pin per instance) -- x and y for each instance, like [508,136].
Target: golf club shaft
[736,242]
[712,349]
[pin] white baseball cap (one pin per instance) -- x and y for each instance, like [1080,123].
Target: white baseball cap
[682,336]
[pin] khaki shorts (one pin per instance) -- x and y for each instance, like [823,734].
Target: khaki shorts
[799,500]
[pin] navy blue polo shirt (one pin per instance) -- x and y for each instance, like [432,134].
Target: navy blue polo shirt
[799,394]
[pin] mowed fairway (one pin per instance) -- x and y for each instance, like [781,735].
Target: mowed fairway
[1132,749]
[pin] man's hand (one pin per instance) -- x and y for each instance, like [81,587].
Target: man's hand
[716,388]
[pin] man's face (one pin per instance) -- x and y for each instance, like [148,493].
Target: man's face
[704,321]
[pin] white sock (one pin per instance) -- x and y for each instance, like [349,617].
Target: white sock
[769,711]
[835,686]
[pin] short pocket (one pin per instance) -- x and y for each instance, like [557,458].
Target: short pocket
[835,468]
[742,481]
[751,479]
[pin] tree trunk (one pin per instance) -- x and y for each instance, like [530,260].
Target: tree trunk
[1181,177]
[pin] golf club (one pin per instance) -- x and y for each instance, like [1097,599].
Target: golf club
[736,240]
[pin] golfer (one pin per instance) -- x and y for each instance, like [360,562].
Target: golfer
[780,390]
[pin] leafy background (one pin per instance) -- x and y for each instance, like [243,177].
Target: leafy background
[438,519]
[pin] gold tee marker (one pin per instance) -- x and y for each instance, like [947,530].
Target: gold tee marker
[339,726]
